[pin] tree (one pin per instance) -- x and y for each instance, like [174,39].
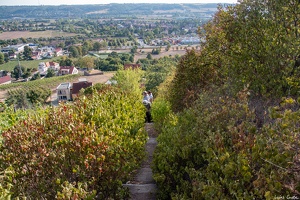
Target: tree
[96,46]
[23,40]
[50,73]
[36,76]
[61,45]
[156,51]
[133,49]
[27,52]
[73,52]
[255,43]
[2,61]
[87,62]
[65,61]
[131,59]
[26,73]
[6,57]
[17,72]
[168,47]
[149,56]
[104,44]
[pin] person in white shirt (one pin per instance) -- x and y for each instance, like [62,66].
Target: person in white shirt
[150,96]
[146,96]
[147,104]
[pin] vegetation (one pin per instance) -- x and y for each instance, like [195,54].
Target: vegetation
[81,150]
[46,82]
[158,71]
[9,66]
[28,97]
[20,72]
[88,12]
[229,116]
[113,61]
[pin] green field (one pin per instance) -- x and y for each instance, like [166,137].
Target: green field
[27,64]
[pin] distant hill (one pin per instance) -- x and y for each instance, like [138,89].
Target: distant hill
[108,11]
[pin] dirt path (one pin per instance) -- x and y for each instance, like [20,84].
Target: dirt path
[143,186]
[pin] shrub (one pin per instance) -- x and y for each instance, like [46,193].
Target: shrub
[215,151]
[97,141]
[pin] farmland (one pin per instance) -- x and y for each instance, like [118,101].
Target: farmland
[35,34]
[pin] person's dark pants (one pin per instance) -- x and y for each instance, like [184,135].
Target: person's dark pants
[148,117]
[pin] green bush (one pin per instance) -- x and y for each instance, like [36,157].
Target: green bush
[215,151]
[161,112]
[98,141]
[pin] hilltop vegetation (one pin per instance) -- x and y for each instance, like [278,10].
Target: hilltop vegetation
[229,117]
[85,149]
[107,11]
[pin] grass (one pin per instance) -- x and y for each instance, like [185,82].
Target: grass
[45,82]
[9,66]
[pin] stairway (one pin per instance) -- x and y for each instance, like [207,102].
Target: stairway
[143,186]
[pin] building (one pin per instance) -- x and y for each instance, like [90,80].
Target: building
[5,78]
[64,92]
[15,48]
[82,84]
[59,51]
[65,70]
[53,65]
[42,68]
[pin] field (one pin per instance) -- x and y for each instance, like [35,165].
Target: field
[37,34]
[27,64]
[144,52]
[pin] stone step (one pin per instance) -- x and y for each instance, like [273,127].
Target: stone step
[142,191]
[144,176]
[143,186]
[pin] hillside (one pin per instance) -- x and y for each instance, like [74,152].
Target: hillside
[108,11]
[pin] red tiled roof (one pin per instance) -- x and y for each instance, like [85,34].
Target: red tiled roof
[79,85]
[47,64]
[5,79]
[70,68]
[52,63]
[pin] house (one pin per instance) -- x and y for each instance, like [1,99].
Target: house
[36,55]
[64,92]
[42,68]
[59,51]
[54,66]
[5,78]
[65,70]
[82,84]
[132,66]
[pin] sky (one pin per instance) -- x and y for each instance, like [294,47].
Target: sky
[80,2]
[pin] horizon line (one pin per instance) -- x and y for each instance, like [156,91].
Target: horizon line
[107,3]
